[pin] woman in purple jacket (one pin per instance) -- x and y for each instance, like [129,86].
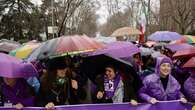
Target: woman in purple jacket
[16,92]
[161,86]
[189,87]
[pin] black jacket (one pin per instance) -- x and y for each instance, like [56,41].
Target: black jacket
[66,94]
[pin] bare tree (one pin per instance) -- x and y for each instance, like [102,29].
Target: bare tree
[182,13]
[84,19]
[62,12]
[69,8]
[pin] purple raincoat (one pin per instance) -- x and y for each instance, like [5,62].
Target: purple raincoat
[153,87]
[189,88]
[19,93]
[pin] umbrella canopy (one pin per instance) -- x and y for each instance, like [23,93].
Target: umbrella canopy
[8,45]
[125,31]
[24,51]
[12,67]
[190,63]
[105,40]
[176,47]
[146,51]
[164,36]
[150,43]
[185,39]
[94,65]
[119,49]
[185,53]
[156,54]
[65,45]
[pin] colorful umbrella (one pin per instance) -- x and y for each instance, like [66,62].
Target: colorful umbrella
[8,45]
[164,36]
[24,51]
[190,63]
[185,53]
[119,49]
[125,31]
[185,39]
[65,45]
[12,67]
[176,47]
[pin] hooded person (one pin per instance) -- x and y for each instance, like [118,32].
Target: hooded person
[16,92]
[161,85]
[189,87]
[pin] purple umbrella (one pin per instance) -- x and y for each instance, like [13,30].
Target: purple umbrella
[164,36]
[12,67]
[119,49]
[176,47]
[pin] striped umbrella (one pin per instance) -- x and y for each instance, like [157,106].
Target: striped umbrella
[65,45]
[185,39]
[24,51]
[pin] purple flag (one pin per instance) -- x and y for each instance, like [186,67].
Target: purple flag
[170,105]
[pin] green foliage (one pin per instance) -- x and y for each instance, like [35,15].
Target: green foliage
[19,18]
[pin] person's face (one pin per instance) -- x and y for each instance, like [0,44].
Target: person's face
[9,81]
[165,69]
[136,57]
[61,72]
[110,73]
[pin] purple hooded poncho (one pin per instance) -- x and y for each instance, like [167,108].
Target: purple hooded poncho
[19,93]
[189,87]
[153,87]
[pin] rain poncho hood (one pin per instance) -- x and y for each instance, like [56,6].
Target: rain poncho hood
[153,87]
[161,60]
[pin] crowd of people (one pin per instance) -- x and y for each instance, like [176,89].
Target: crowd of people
[61,82]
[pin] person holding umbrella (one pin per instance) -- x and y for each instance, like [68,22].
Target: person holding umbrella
[58,86]
[15,91]
[113,88]
[161,85]
[189,86]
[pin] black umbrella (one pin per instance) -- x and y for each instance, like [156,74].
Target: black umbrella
[94,65]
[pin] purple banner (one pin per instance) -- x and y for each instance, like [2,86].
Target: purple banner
[174,105]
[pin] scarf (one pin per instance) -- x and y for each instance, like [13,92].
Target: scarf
[110,86]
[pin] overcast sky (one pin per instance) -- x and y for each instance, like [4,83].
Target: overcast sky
[102,12]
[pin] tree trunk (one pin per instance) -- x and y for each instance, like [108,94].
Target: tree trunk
[46,25]
[19,21]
